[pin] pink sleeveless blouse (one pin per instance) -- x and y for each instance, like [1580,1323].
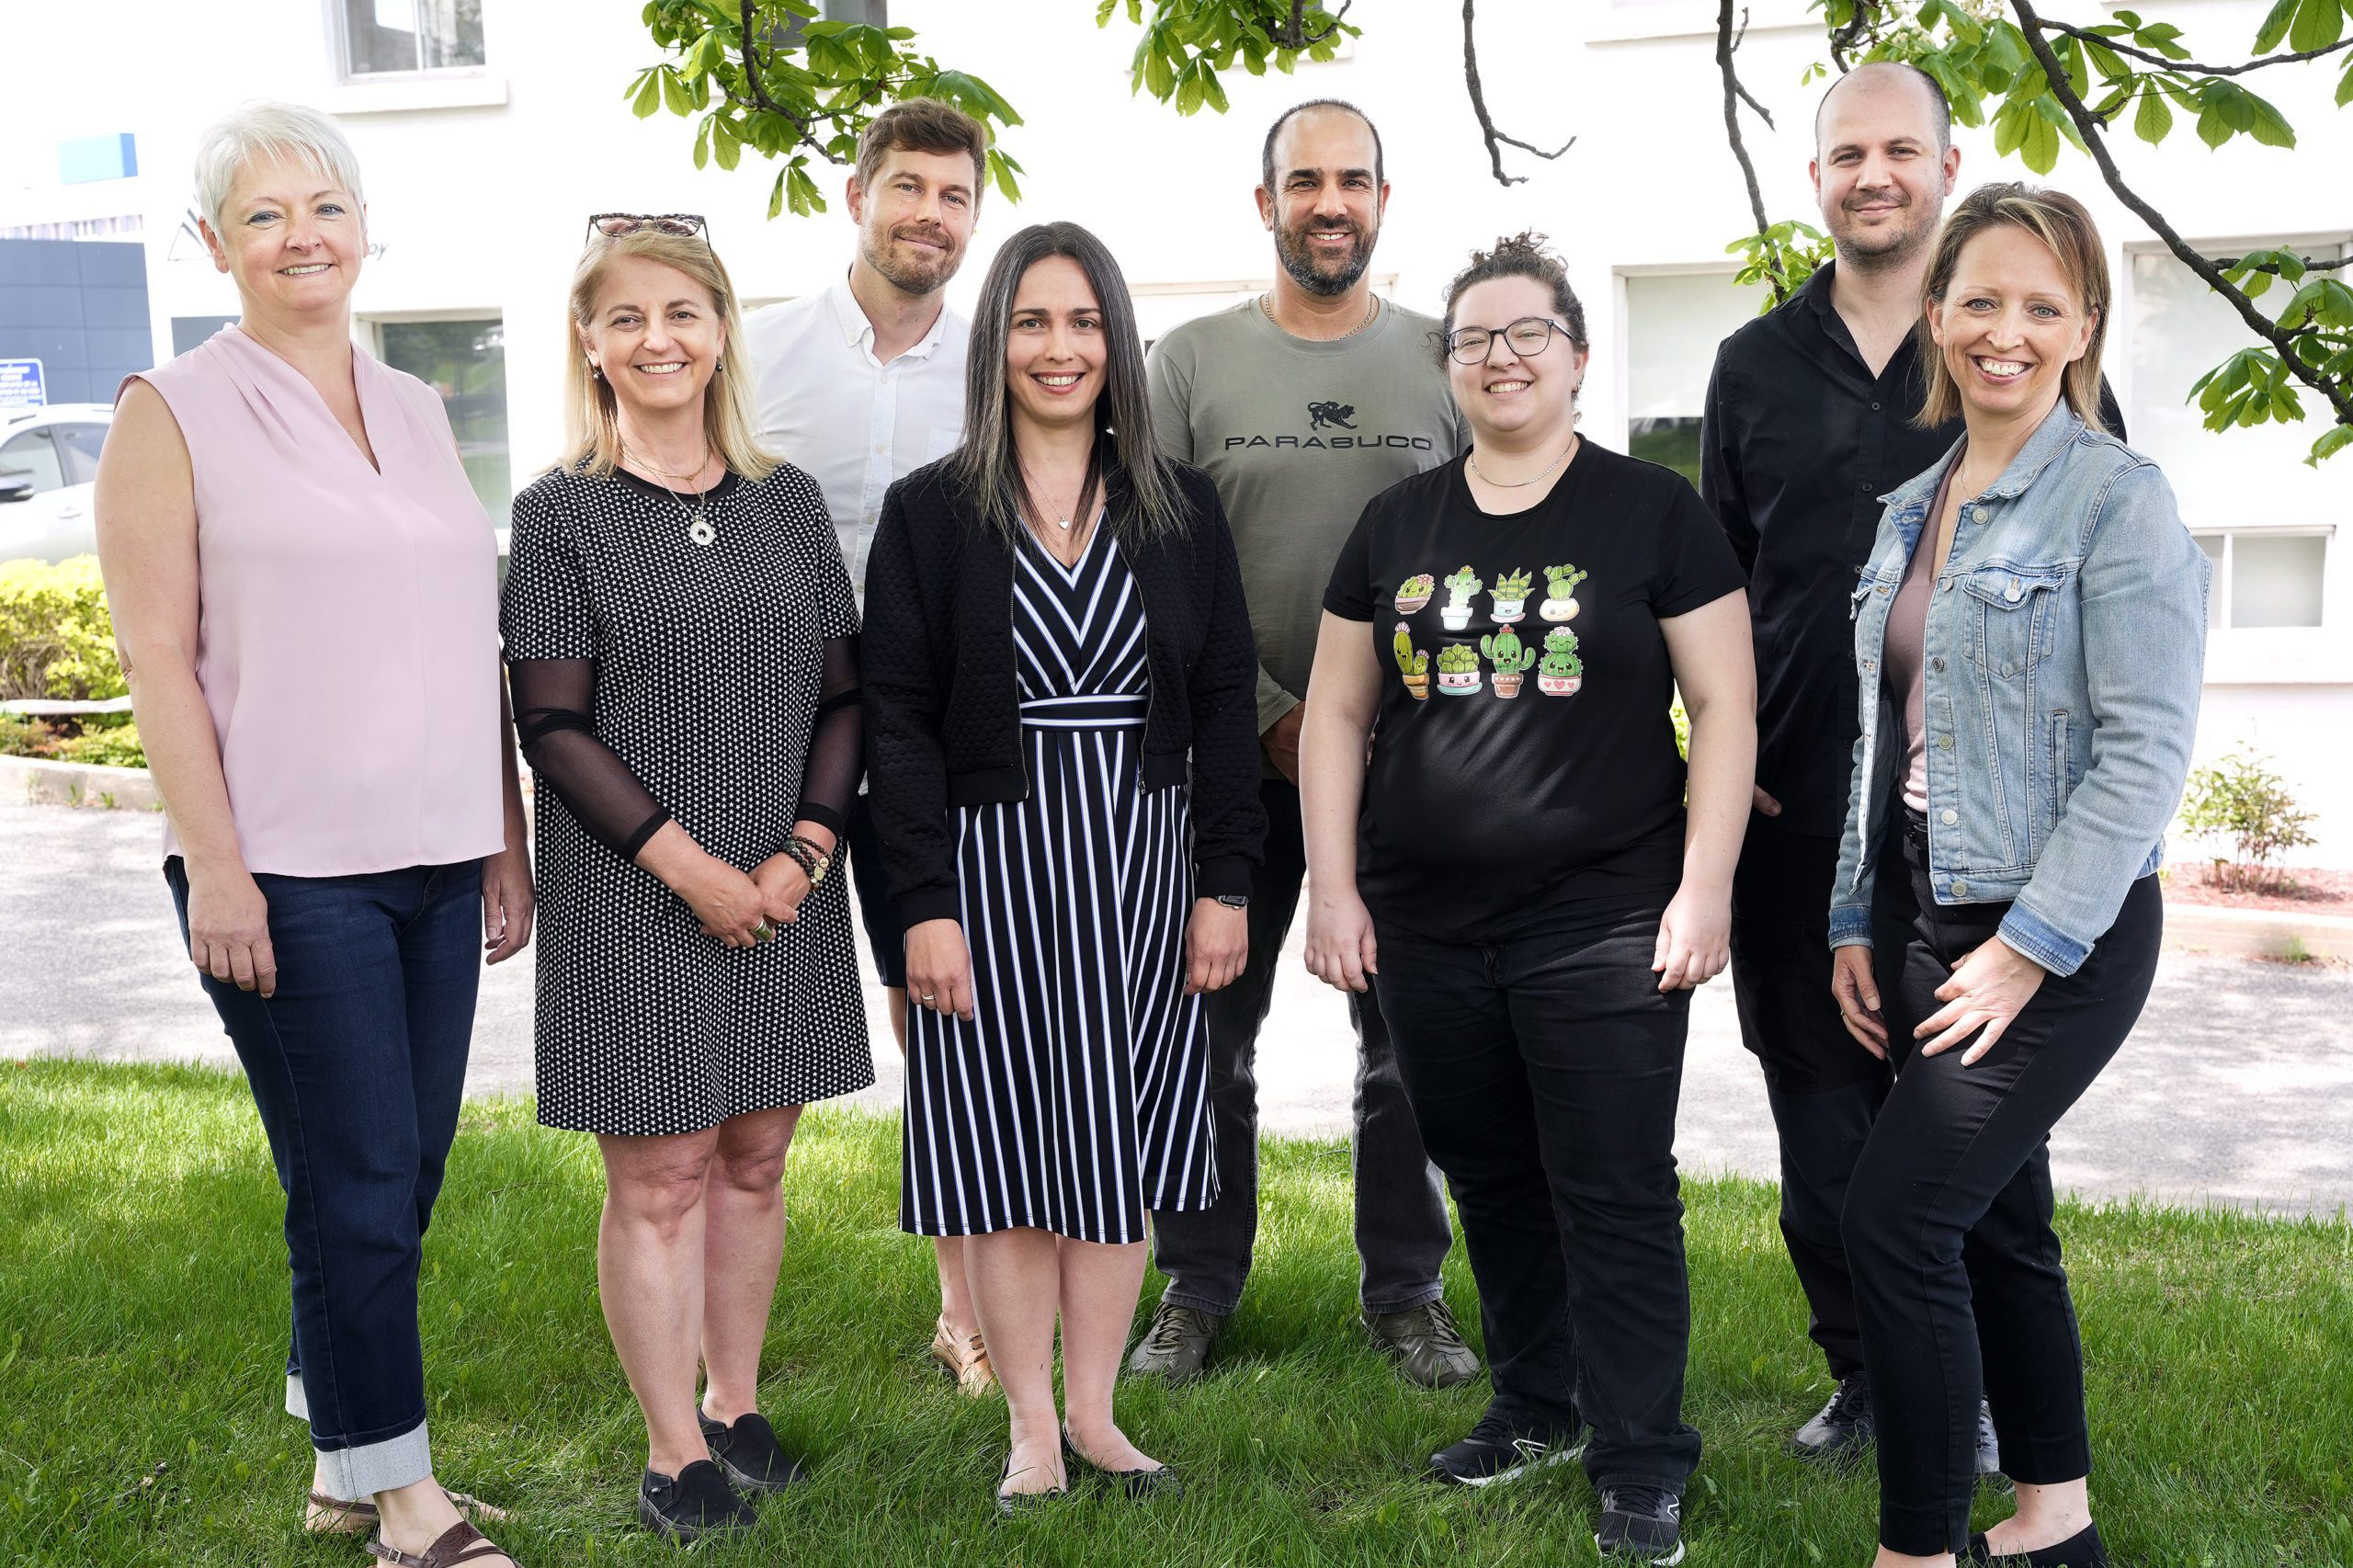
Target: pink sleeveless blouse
[347,619]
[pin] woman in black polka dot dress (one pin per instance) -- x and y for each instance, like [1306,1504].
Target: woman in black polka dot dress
[681,637]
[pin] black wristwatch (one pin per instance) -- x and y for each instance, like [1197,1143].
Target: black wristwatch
[1234,900]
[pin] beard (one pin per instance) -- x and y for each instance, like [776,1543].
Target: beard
[1891,245]
[1326,278]
[914,271]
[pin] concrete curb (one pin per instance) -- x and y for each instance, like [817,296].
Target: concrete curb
[2255,933]
[40,782]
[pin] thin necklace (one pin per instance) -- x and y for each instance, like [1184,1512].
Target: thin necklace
[1523,484]
[1371,309]
[1062,522]
[698,527]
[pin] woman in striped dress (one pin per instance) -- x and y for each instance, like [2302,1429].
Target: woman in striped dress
[1063,756]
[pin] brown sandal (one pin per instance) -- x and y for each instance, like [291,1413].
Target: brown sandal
[460,1543]
[331,1515]
[966,1360]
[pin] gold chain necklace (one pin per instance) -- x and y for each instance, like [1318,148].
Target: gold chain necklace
[1521,483]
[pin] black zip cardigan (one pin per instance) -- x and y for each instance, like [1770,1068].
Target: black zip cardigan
[943,717]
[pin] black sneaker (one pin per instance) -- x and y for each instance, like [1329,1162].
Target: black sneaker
[747,1452]
[1499,1449]
[2083,1551]
[1640,1524]
[695,1503]
[1844,1427]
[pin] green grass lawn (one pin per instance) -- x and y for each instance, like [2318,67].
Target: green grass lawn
[142,1302]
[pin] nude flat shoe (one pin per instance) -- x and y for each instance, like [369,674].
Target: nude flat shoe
[966,1360]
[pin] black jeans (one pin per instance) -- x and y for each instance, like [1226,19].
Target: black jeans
[1401,1231]
[358,1066]
[1545,1074]
[1823,1088]
[1957,1269]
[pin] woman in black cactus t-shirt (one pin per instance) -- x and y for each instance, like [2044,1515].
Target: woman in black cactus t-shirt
[1516,872]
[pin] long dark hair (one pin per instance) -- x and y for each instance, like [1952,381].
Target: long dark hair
[1152,507]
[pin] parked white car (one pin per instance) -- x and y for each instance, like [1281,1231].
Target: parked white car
[48,457]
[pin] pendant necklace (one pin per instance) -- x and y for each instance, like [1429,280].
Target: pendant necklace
[698,527]
[1060,514]
[1522,483]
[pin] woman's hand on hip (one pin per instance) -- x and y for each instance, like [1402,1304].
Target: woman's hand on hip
[1217,944]
[728,903]
[508,904]
[1856,990]
[1341,951]
[1693,939]
[940,969]
[783,885]
[228,930]
[1988,989]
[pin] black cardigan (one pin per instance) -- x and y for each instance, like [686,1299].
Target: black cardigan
[943,717]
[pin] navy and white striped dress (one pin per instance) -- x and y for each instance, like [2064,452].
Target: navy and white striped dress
[1077,1098]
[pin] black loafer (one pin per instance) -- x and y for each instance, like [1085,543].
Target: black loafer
[1159,1481]
[695,1503]
[1012,1504]
[748,1452]
[2084,1549]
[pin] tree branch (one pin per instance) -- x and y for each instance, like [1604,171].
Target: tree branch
[1846,38]
[1494,138]
[752,72]
[2225,263]
[2191,67]
[1733,96]
[1300,38]
[2094,131]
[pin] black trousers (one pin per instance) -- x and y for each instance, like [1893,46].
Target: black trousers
[1545,1075]
[1823,1088]
[1957,1268]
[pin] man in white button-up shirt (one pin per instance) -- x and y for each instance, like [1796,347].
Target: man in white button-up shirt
[859,385]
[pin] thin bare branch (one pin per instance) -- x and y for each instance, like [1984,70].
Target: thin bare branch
[1734,95]
[1495,139]
[2094,131]
[1843,41]
[1299,23]
[2191,67]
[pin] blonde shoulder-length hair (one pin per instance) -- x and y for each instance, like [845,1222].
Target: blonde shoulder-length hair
[730,412]
[2064,225]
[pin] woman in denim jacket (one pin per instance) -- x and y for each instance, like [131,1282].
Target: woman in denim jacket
[2029,637]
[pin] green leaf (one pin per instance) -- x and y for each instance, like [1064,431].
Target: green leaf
[1159,78]
[2213,128]
[2040,151]
[2344,86]
[702,144]
[1190,91]
[2319,23]
[2275,25]
[776,194]
[649,95]
[1213,90]
[2335,304]
[2153,120]
[674,93]
[723,144]
[2011,128]
[2333,440]
[2268,125]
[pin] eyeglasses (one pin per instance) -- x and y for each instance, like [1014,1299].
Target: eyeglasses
[614,225]
[1527,337]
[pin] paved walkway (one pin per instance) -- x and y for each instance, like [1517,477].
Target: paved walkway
[2237,1088]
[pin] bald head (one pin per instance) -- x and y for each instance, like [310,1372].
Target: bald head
[1881,88]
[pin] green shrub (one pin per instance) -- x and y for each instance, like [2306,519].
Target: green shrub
[112,745]
[2240,799]
[56,638]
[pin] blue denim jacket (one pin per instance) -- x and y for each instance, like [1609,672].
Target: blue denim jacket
[2063,660]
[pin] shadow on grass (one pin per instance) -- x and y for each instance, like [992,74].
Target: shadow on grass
[142,1305]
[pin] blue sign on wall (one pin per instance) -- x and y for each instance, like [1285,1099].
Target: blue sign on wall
[89,158]
[20,385]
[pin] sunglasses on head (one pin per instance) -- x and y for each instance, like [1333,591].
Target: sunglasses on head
[615,225]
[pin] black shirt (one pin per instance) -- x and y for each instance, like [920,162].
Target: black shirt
[1797,443]
[1524,776]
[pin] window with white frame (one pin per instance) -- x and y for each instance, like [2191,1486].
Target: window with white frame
[2266,577]
[385,37]
[1674,323]
[465,361]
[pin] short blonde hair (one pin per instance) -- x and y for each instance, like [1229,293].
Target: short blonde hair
[730,408]
[2063,225]
[262,130]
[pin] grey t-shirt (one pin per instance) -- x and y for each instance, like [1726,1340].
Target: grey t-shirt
[1298,436]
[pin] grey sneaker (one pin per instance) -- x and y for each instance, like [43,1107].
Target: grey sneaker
[1989,1447]
[1426,1344]
[1177,1343]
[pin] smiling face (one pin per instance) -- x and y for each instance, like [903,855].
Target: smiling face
[2009,325]
[1526,399]
[915,220]
[1054,346]
[1881,170]
[656,333]
[292,242]
[1327,199]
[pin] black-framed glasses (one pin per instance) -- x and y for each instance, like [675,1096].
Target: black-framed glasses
[1527,337]
[614,225]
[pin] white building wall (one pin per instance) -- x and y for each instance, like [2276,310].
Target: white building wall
[478,185]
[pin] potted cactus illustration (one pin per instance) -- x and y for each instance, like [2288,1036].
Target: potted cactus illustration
[1413,663]
[1511,597]
[1414,593]
[1560,671]
[1510,658]
[1560,584]
[1457,670]
[1459,587]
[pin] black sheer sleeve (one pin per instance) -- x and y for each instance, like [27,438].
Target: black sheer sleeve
[838,749]
[552,700]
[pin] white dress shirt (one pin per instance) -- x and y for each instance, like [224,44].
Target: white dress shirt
[853,423]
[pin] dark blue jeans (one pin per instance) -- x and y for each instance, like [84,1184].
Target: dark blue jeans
[358,1066]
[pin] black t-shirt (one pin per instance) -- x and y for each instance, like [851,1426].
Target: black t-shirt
[1524,776]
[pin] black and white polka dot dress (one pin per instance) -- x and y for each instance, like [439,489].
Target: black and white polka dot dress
[706,663]
[1077,1098]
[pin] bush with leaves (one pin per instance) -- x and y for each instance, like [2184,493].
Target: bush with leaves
[56,637]
[2240,799]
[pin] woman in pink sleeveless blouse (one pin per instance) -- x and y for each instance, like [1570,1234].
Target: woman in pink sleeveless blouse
[304,594]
